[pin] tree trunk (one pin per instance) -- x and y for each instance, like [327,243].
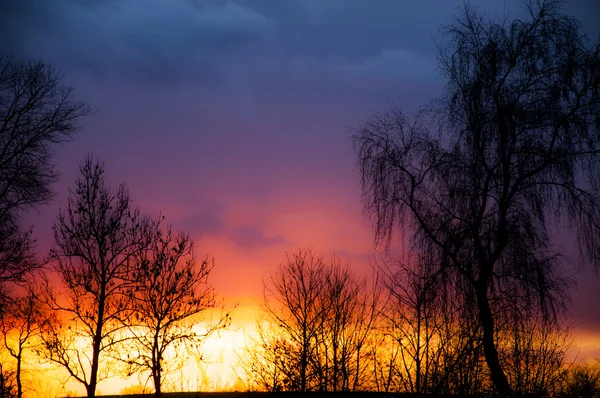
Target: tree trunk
[156,377]
[156,363]
[91,387]
[335,363]
[91,390]
[304,360]
[18,375]
[489,346]
[357,369]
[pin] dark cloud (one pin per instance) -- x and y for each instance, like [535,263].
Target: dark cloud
[148,39]
[217,40]
[23,22]
[250,236]
[210,220]
[214,40]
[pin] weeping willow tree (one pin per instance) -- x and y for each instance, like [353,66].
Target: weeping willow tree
[483,176]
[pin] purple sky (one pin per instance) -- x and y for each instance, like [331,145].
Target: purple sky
[230,117]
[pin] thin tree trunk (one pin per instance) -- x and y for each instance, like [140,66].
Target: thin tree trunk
[357,369]
[156,363]
[304,360]
[18,375]
[91,387]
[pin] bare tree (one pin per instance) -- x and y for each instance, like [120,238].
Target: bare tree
[385,354]
[426,326]
[294,302]
[171,289]
[324,314]
[519,132]
[21,326]
[411,315]
[534,351]
[269,362]
[7,382]
[353,309]
[37,113]
[98,239]
[580,381]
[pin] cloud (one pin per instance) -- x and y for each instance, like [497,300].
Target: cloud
[212,221]
[209,221]
[396,63]
[318,10]
[138,39]
[214,42]
[250,236]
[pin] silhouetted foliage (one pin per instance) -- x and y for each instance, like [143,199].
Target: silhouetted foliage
[37,114]
[519,132]
[580,381]
[170,290]
[7,383]
[21,328]
[98,239]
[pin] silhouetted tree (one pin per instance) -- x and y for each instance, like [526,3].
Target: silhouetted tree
[431,334]
[7,382]
[170,290]
[385,355]
[534,351]
[353,309]
[293,301]
[324,315]
[519,132]
[411,315]
[269,362]
[580,381]
[21,327]
[98,239]
[37,113]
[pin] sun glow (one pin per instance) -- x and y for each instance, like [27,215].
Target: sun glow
[212,367]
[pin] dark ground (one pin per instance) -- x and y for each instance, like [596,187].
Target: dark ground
[277,395]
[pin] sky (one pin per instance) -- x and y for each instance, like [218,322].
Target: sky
[230,118]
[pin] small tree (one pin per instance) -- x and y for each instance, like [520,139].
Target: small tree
[353,308]
[435,336]
[268,362]
[412,317]
[37,113]
[324,315]
[21,326]
[294,302]
[98,239]
[7,382]
[580,381]
[170,289]
[534,351]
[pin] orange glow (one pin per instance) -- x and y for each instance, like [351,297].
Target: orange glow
[219,369]
[215,371]
[287,221]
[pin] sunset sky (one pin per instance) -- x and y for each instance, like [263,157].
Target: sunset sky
[230,117]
